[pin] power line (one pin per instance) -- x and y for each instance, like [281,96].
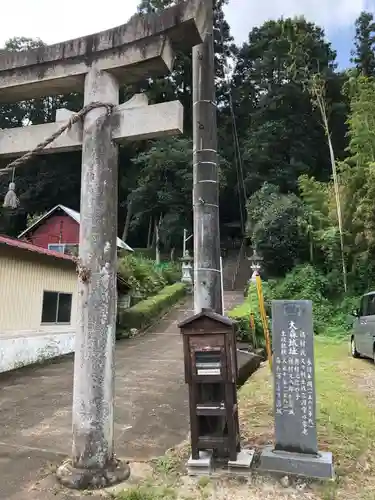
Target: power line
[242,198]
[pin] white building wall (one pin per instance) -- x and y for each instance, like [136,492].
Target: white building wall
[23,278]
[21,350]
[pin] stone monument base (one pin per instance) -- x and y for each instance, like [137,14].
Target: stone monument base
[202,466]
[79,479]
[299,464]
[242,463]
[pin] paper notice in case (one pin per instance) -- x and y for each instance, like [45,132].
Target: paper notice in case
[208,371]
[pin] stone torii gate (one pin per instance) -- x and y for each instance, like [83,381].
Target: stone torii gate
[97,65]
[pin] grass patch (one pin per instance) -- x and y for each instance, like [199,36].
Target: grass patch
[167,464]
[345,423]
[346,427]
[241,314]
[146,492]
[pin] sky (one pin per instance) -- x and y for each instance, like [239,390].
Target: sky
[75,18]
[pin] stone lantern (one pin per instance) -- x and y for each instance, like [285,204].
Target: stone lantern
[255,265]
[187,269]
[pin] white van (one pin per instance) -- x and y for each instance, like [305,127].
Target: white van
[363,335]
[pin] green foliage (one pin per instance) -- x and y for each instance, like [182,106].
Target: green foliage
[292,216]
[283,141]
[241,314]
[164,188]
[147,253]
[356,180]
[141,275]
[144,277]
[282,137]
[166,464]
[306,283]
[358,170]
[364,55]
[149,6]
[147,492]
[171,272]
[275,224]
[331,309]
[164,184]
[11,221]
[31,219]
[362,276]
[260,202]
[145,312]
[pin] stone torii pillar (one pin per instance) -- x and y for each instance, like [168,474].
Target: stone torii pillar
[97,65]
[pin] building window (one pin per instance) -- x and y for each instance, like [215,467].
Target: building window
[57,307]
[56,248]
[66,248]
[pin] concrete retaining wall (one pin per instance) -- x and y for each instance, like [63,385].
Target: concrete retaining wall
[33,347]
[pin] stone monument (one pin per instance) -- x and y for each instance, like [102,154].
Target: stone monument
[296,446]
[96,66]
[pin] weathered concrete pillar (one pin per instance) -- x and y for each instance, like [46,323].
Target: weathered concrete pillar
[93,461]
[207,272]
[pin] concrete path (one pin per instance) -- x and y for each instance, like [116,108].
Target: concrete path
[151,404]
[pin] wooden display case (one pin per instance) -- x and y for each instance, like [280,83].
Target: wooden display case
[209,341]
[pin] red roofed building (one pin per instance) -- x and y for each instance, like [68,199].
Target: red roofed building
[58,230]
[38,307]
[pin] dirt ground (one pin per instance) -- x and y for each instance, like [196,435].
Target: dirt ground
[346,426]
[151,413]
[34,437]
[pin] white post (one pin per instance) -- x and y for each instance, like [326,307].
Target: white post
[157,240]
[184,243]
[222,285]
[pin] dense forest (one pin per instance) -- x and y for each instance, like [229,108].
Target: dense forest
[297,151]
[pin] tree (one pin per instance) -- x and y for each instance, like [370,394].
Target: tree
[275,225]
[46,180]
[321,221]
[358,169]
[317,87]
[281,138]
[352,185]
[178,86]
[364,41]
[164,188]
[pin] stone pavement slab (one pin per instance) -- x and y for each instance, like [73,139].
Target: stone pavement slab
[151,412]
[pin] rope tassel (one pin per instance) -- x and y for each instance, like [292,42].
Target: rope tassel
[11,200]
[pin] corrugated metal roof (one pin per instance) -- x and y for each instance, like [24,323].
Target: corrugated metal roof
[23,245]
[75,216]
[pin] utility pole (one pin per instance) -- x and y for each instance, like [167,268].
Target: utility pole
[207,275]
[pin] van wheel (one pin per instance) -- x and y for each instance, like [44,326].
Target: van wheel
[353,349]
